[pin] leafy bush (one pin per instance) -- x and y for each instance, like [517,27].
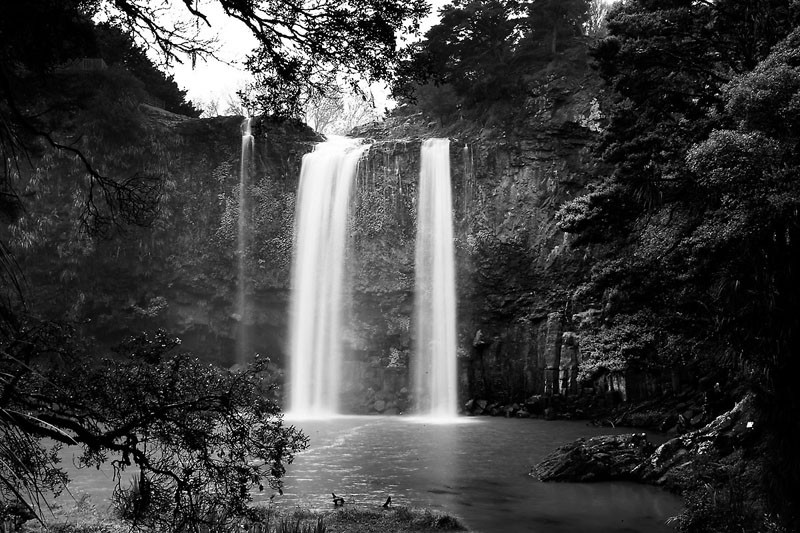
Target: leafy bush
[202,437]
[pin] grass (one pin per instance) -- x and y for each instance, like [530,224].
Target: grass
[396,520]
[85,518]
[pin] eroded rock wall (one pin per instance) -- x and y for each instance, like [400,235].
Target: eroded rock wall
[515,269]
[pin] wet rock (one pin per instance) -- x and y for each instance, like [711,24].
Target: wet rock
[602,458]
[535,404]
[631,457]
[668,422]
[721,436]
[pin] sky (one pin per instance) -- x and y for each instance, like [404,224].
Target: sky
[215,80]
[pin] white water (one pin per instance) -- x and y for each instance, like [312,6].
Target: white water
[318,275]
[242,341]
[434,364]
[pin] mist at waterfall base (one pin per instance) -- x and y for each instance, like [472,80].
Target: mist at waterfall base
[318,277]
[434,362]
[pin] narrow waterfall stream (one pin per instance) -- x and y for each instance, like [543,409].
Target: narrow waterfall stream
[243,347]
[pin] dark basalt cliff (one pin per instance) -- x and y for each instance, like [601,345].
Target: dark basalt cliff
[516,271]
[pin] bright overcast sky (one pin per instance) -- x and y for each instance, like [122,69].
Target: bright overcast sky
[214,80]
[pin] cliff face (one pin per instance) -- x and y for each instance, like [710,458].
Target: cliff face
[515,270]
[180,273]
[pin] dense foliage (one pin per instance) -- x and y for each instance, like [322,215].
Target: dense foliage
[118,49]
[42,91]
[485,51]
[322,45]
[201,438]
[699,202]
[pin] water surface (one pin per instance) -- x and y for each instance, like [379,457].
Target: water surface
[476,470]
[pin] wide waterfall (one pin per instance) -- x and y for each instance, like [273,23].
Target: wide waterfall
[243,347]
[434,364]
[318,276]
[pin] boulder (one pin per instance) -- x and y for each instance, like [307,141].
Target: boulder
[631,457]
[602,458]
[721,436]
[535,404]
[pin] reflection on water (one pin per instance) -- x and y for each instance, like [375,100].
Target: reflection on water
[477,471]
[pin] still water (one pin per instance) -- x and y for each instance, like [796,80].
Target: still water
[476,470]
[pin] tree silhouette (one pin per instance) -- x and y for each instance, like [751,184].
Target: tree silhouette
[202,437]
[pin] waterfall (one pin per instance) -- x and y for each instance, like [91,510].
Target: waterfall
[434,366]
[243,347]
[318,275]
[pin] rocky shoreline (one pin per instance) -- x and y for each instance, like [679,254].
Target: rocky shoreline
[672,414]
[673,465]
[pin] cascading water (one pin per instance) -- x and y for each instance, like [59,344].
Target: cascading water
[243,347]
[434,365]
[318,276]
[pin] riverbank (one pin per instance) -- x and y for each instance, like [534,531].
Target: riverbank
[84,518]
[475,469]
[717,469]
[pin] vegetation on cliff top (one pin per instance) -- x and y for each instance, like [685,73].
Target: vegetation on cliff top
[487,57]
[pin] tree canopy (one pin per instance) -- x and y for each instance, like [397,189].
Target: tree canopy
[202,438]
[487,50]
[696,201]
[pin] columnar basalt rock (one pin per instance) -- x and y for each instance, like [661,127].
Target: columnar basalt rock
[568,366]
[553,352]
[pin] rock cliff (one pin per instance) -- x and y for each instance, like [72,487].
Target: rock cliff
[516,270]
